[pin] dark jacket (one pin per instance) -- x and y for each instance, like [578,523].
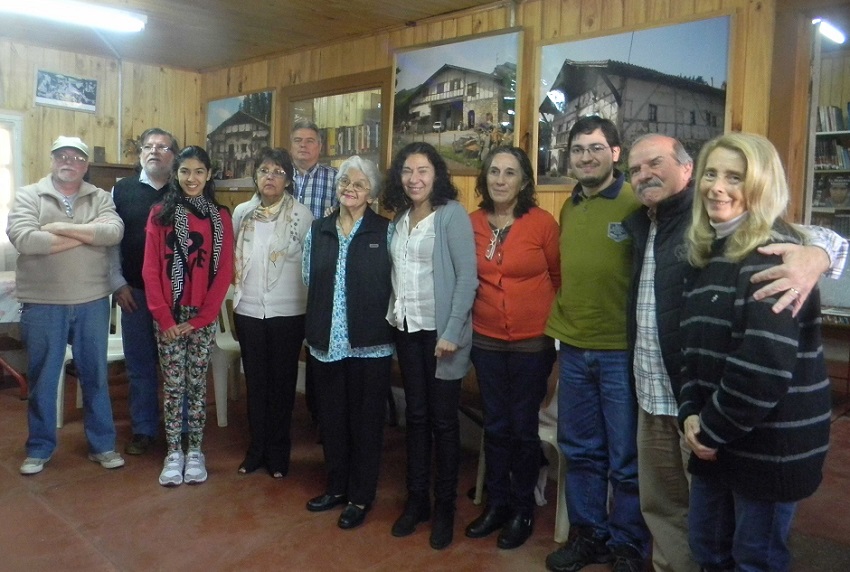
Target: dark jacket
[133,201]
[367,282]
[673,216]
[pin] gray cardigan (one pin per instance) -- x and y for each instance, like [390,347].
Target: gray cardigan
[455,282]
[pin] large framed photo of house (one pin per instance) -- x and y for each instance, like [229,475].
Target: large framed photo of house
[670,80]
[460,97]
[237,128]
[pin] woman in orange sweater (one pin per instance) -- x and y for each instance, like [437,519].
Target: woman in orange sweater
[516,245]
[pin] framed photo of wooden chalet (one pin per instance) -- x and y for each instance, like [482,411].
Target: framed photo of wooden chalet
[236,129]
[669,79]
[459,96]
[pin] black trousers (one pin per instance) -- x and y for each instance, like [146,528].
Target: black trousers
[351,395]
[270,349]
[431,416]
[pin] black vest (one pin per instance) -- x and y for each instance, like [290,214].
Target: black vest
[367,282]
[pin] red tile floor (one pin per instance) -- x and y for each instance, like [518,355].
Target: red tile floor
[78,516]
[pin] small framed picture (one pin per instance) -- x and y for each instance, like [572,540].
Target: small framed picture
[65,91]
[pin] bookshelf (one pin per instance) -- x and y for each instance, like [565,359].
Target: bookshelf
[830,197]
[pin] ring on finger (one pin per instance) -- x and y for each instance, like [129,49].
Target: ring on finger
[795,291]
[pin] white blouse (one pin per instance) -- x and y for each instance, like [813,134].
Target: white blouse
[412,253]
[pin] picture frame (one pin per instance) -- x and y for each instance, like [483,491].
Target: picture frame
[236,129]
[680,90]
[65,91]
[459,96]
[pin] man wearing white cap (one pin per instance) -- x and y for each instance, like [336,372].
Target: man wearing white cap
[62,228]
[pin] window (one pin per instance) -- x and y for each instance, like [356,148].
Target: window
[11,130]
[693,117]
[472,90]
[653,112]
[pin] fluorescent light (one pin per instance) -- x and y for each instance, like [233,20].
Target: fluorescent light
[829,31]
[78,13]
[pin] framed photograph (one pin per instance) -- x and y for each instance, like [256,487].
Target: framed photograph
[68,92]
[670,80]
[237,128]
[460,97]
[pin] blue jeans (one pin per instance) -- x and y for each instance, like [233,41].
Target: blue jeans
[46,330]
[513,385]
[141,358]
[730,531]
[597,432]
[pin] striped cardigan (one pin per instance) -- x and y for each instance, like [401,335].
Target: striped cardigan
[757,380]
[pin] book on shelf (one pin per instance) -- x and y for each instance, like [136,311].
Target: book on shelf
[831,154]
[831,118]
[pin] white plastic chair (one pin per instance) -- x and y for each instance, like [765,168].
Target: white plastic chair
[548,432]
[224,361]
[114,352]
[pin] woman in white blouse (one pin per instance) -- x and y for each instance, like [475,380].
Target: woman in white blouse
[269,305]
[434,280]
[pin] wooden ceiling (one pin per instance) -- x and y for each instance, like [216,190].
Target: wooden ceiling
[208,34]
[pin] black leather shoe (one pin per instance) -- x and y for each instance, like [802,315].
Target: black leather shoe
[352,516]
[442,529]
[515,532]
[492,519]
[415,511]
[325,502]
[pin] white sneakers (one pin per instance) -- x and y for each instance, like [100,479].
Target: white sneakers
[33,465]
[107,460]
[172,470]
[177,469]
[196,470]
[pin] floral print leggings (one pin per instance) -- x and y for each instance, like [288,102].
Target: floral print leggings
[184,363]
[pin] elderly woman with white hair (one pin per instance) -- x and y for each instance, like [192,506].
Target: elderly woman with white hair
[347,270]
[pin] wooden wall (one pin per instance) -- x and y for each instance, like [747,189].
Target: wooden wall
[543,21]
[152,96]
[176,100]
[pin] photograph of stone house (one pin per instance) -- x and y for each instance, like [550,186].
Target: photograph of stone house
[657,80]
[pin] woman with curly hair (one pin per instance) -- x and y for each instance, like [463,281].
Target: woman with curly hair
[187,270]
[434,282]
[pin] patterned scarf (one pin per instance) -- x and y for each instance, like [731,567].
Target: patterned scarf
[279,213]
[202,208]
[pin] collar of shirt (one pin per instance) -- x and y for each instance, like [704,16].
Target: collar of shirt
[612,191]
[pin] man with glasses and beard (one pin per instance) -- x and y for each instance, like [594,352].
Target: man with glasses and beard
[133,198]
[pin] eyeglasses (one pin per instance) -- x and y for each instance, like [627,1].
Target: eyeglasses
[69,210]
[359,186]
[63,158]
[494,248]
[276,173]
[595,150]
[160,148]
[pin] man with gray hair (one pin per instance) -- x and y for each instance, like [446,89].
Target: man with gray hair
[134,196]
[660,171]
[315,189]
[62,228]
[314,183]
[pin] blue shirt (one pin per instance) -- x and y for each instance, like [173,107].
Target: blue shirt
[315,189]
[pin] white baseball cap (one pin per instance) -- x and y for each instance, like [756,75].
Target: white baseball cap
[73,142]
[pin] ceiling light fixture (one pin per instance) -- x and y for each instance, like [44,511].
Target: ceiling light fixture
[78,13]
[829,31]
